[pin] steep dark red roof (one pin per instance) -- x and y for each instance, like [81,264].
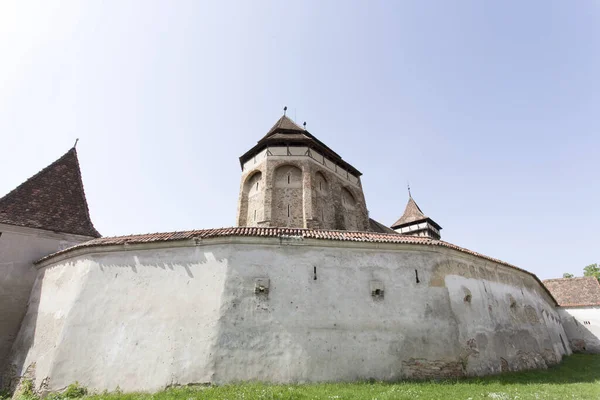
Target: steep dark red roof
[53,200]
[575,292]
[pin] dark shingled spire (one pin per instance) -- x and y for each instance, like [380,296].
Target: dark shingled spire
[284,124]
[53,200]
[286,132]
[413,222]
[412,213]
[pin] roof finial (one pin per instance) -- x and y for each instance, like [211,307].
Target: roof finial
[408,185]
[284,110]
[304,124]
[76,140]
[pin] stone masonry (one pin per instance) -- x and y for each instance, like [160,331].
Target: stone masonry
[298,191]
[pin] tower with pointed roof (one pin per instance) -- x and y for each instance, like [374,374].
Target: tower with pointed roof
[415,223]
[292,179]
[46,213]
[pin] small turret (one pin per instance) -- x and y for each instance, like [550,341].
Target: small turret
[414,223]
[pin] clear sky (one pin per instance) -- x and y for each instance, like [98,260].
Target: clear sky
[490,109]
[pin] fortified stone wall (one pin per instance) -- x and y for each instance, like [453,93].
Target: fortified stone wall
[219,310]
[582,325]
[19,247]
[298,191]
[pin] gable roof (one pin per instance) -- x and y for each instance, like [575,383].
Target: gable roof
[575,292]
[412,214]
[286,132]
[53,200]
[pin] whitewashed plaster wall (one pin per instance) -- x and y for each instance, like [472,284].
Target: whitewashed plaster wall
[151,316]
[19,248]
[582,325]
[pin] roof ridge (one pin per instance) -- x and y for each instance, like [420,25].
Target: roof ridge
[573,278]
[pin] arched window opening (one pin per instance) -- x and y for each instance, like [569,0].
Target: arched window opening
[348,199]
[251,200]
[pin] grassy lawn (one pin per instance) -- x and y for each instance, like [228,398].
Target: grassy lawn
[577,377]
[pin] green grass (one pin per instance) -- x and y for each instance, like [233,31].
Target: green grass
[577,377]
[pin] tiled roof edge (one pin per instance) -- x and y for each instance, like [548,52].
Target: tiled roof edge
[348,236]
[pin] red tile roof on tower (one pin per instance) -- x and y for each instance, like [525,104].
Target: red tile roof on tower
[575,292]
[412,213]
[284,124]
[53,200]
[286,132]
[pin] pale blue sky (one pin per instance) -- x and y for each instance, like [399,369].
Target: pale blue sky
[490,109]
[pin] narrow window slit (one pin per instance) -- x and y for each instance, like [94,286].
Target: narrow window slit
[417,275]
[288,210]
[288,179]
[314,273]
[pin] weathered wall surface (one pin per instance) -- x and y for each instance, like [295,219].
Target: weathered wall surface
[252,200]
[287,205]
[148,317]
[19,247]
[582,325]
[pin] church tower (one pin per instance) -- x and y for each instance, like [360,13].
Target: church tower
[292,179]
[414,223]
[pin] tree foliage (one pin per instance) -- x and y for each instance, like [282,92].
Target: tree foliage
[567,275]
[592,270]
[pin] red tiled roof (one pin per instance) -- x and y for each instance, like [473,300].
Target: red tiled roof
[284,124]
[286,132]
[53,200]
[575,292]
[347,236]
[412,213]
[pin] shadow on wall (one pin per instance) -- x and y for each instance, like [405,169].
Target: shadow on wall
[15,370]
[586,341]
[21,366]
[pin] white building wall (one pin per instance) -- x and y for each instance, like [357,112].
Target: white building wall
[150,317]
[582,325]
[19,247]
